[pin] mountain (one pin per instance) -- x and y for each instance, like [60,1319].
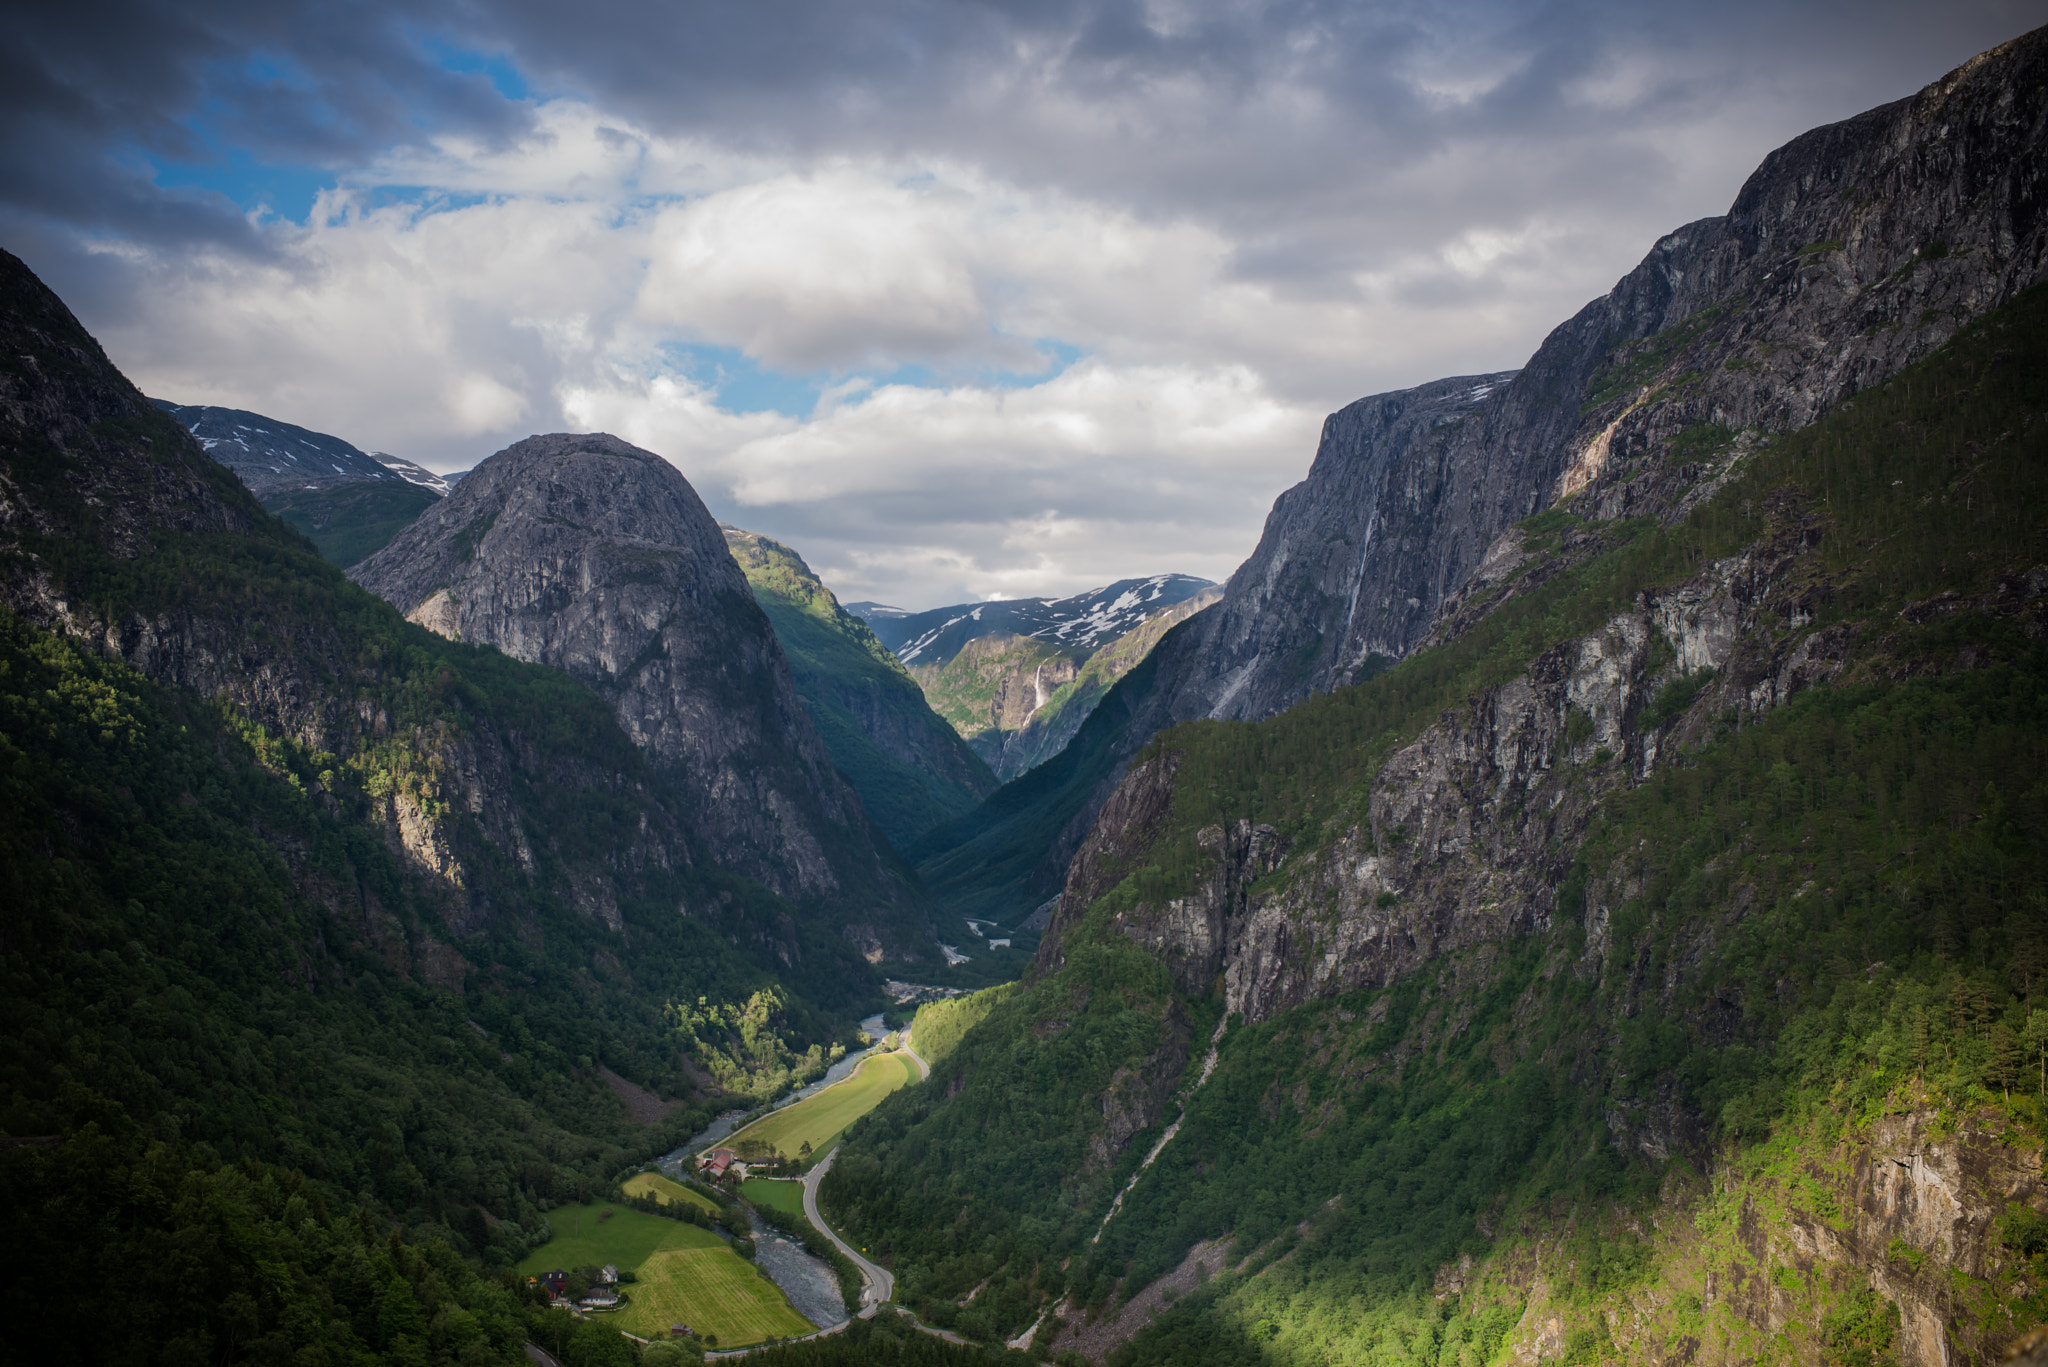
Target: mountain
[872,612]
[1080,622]
[590,555]
[1640,969]
[1018,700]
[1852,251]
[332,948]
[347,503]
[911,770]
[1009,675]
[414,474]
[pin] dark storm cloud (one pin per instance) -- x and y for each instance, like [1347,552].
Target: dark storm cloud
[1251,115]
[94,97]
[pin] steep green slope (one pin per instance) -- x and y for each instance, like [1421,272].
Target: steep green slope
[291,882]
[346,522]
[911,770]
[991,863]
[1661,1117]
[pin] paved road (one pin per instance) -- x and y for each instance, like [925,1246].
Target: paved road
[924,1070]
[881,1286]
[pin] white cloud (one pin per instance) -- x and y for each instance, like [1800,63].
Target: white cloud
[1230,262]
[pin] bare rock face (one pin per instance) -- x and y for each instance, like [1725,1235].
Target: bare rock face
[1852,251]
[598,558]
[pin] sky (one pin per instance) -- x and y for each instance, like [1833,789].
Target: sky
[962,300]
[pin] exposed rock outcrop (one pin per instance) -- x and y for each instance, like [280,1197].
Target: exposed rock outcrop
[591,555]
[1853,250]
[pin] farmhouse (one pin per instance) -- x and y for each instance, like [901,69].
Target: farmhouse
[716,1163]
[603,1296]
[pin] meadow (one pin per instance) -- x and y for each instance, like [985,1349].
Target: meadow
[686,1275]
[777,1192]
[666,1192]
[714,1291]
[818,1120]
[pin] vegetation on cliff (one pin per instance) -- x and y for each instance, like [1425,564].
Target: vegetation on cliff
[1813,928]
[910,768]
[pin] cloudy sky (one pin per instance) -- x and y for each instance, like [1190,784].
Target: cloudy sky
[961,299]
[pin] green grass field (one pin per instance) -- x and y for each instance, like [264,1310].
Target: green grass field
[597,1234]
[779,1192]
[686,1275]
[664,1191]
[820,1118]
[714,1291]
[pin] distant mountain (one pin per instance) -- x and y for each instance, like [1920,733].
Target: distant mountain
[346,502]
[1078,623]
[1057,715]
[911,769]
[1012,676]
[414,474]
[589,554]
[874,612]
[272,456]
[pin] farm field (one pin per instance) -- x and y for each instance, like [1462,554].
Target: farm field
[714,1291]
[686,1275]
[601,1233]
[819,1119]
[779,1192]
[664,1191]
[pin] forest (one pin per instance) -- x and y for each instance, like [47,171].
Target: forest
[1823,915]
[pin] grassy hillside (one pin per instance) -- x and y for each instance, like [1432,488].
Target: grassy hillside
[812,1124]
[1653,1126]
[911,770]
[991,863]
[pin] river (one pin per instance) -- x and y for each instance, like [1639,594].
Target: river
[732,1120]
[810,1283]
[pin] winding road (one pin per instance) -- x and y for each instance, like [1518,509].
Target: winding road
[924,1070]
[881,1285]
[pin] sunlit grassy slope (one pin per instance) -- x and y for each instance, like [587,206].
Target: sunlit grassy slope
[818,1120]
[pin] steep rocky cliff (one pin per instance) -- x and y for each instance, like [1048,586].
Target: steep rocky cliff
[911,769]
[412,809]
[1851,251]
[596,557]
[1632,973]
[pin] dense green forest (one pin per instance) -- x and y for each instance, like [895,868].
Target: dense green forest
[260,1043]
[1823,914]
[349,522]
[856,690]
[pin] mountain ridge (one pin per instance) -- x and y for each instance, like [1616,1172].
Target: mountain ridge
[1850,251]
[911,769]
[588,553]
[1626,974]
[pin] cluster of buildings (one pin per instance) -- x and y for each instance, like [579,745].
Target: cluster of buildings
[720,1163]
[602,1295]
